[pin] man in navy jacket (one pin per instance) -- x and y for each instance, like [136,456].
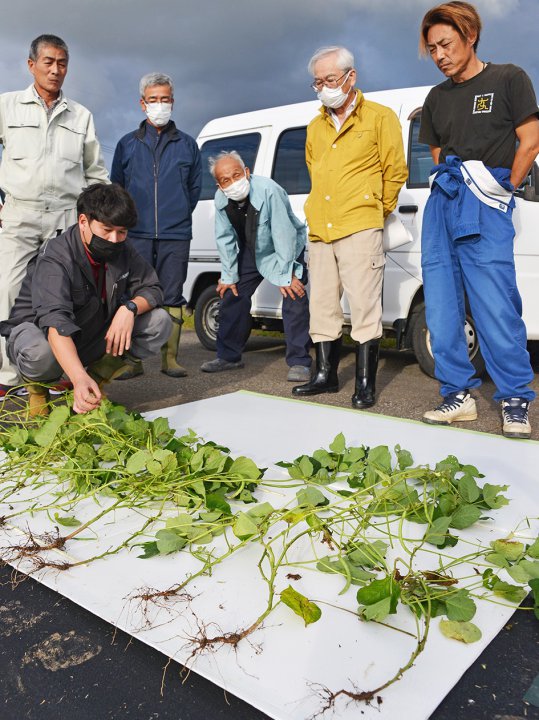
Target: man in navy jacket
[161,167]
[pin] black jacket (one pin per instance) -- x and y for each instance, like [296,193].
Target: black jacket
[59,291]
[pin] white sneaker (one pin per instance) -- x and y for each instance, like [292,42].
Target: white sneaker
[456,407]
[515,418]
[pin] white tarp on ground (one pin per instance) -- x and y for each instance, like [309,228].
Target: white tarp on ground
[280,666]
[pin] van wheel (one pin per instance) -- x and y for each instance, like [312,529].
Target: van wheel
[420,341]
[207,317]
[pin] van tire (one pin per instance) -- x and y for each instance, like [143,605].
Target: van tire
[207,317]
[420,342]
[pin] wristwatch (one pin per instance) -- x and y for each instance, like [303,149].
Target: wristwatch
[130,305]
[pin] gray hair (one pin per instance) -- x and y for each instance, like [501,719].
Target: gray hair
[53,40]
[345,59]
[155,78]
[212,161]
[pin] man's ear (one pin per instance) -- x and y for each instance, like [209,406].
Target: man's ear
[247,173]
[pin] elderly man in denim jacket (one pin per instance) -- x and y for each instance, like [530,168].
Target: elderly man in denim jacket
[258,236]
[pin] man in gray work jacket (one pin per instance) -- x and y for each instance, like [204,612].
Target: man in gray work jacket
[88,306]
[161,167]
[50,153]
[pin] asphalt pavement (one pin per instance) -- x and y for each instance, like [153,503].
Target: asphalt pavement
[403,390]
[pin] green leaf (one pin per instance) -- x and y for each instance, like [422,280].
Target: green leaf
[260,512]
[154,467]
[245,468]
[464,516]
[216,501]
[18,437]
[68,521]
[137,462]
[324,458]
[353,574]
[437,533]
[150,550]
[244,527]
[380,598]
[368,554]
[306,466]
[459,606]
[530,567]
[465,632]
[404,458]
[533,549]
[534,585]
[181,523]
[169,541]
[380,456]
[509,549]
[301,605]
[518,574]
[497,559]
[492,497]
[45,434]
[108,453]
[338,445]
[311,497]
[468,489]
[509,592]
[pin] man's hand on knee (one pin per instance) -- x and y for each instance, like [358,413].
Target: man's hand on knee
[223,287]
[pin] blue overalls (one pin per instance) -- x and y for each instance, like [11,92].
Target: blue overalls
[467,247]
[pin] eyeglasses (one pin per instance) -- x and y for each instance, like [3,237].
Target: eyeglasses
[329,82]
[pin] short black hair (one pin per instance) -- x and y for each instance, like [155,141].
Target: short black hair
[53,40]
[108,204]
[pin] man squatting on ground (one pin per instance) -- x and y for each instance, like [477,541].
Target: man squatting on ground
[472,122]
[356,161]
[88,306]
[257,236]
[50,153]
[161,167]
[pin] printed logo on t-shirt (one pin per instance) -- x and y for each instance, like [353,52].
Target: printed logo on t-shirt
[483,103]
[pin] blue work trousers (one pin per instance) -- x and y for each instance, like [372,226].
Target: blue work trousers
[170,260]
[235,316]
[482,266]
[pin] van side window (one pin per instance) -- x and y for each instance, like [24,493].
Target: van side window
[419,157]
[247,146]
[289,167]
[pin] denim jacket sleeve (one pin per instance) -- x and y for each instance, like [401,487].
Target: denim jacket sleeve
[284,236]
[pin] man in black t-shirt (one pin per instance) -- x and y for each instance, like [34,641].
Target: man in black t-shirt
[472,123]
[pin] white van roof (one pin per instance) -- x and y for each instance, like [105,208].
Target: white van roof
[298,114]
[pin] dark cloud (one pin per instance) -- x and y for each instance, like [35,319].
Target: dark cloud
[234,57]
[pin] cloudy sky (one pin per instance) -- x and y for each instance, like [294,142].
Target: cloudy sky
[228,57]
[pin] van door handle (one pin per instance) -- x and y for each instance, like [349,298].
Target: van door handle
[408,209]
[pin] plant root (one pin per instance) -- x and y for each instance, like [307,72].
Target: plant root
[329,697]
[35,544]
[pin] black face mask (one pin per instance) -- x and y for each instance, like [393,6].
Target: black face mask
[103,250]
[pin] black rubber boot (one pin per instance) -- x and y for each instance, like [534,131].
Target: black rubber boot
[366,368]
[328,354]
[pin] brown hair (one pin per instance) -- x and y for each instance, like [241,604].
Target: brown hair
[461,16]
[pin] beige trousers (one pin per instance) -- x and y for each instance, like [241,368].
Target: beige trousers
[24,229]
[354,264]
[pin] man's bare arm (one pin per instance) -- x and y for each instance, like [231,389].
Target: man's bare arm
[528,148]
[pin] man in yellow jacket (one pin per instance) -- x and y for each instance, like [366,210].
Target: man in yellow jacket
[356,161]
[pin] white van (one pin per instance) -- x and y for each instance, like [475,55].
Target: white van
[272,143]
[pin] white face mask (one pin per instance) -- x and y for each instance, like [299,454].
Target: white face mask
[158,113]
[238,190]
[333,97]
